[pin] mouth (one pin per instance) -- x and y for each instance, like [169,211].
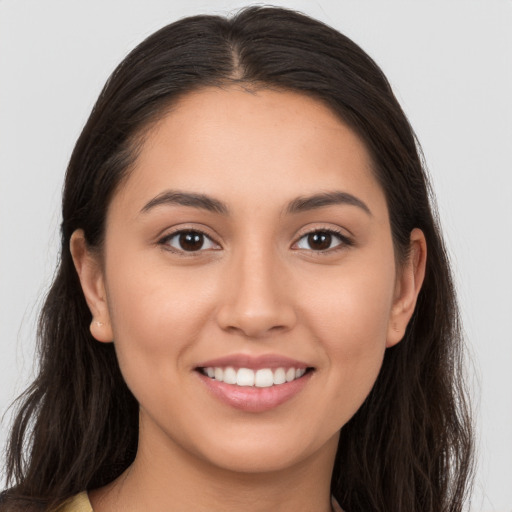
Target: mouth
[248,377]
[254,384]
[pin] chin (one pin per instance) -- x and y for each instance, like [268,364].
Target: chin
[261,454]
[256,463]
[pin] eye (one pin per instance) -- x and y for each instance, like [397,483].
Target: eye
[322,240]
[188,241]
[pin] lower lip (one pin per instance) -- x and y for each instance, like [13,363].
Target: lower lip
[252,398]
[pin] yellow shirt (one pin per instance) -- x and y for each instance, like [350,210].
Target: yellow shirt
[81,503]
[78,503]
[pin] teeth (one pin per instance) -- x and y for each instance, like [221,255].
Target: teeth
[264,378]
[246,377]
[279,376]
[230,376]
[290,374]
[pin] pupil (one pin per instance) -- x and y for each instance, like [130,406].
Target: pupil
[191,241]
[319,241]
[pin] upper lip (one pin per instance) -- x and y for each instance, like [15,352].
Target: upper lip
[253,362]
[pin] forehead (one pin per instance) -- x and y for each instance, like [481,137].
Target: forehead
[240,145]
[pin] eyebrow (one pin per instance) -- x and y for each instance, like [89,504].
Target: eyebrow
[202,201]
[298,205]
[301,204]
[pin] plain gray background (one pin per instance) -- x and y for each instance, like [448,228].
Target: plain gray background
[450,63]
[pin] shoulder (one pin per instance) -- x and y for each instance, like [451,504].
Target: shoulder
[78,503]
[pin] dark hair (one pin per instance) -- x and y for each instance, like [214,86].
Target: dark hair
[409,447]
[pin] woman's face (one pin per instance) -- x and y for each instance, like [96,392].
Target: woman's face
[248,280]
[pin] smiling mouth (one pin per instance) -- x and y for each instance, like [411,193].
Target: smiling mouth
[247,377]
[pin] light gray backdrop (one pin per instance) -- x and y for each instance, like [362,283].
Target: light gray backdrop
[450,63]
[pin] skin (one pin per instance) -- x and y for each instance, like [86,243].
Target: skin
[258,287]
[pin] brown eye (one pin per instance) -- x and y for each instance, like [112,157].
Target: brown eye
[189,241]
[322,240]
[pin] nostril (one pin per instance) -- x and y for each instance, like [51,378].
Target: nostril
[252,323]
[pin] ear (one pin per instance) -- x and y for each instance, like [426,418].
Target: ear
[90,273]
[408,286]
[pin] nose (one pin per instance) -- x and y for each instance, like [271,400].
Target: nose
[256,296]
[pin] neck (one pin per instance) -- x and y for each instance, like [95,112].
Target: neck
[174,479]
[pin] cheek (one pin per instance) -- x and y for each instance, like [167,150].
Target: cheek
[352,306]
[156,315]
[152,301]
[349,313]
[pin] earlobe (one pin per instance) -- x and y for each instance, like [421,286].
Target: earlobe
[90,273]
[408,286]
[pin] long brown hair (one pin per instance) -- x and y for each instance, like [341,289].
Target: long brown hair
[409,447]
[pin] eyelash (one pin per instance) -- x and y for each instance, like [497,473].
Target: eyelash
[344,241]
[167,238]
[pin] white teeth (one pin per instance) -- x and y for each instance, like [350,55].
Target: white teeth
[245,377]
[279,376]
[263,378]
[299,372]
[229,376]
[290,374]
[219,374]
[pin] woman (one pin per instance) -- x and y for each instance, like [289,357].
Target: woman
[253,308]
